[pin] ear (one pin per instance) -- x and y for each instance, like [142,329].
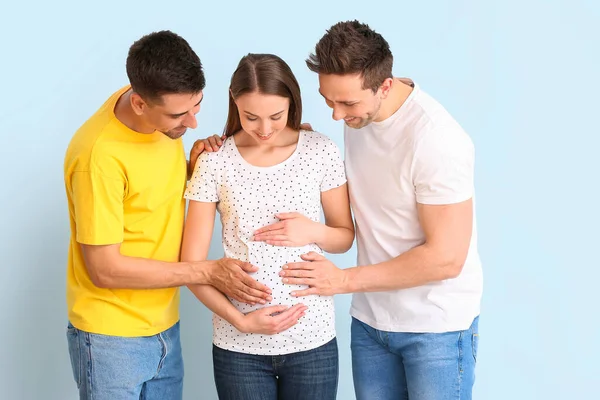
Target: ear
[385,87]
[137,103]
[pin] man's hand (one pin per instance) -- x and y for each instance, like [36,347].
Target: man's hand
[264,322]
[293,229]
[320,274]
[209,144]
[306,127]
[230,276]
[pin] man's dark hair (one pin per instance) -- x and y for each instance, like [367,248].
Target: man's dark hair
[349,48]
[164,63]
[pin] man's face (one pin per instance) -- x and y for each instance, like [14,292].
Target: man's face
[175,114]
[358,107]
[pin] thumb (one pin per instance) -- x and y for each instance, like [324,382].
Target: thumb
[197,149]
[247,267]
[274,309]
[312,256]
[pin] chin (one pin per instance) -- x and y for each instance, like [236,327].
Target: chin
[175,134]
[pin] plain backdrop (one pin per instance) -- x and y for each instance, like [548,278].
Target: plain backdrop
[520,76]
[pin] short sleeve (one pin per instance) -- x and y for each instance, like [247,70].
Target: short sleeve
[334,172]
[443,167]
[202,186]
[98,207]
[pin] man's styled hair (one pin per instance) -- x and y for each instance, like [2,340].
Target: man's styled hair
[164,63]
[350,48]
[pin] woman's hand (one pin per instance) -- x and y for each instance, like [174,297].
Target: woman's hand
[293,229]
[271,320]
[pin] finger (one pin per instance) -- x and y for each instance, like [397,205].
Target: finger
[287,215]
[207,146]
[285,243]
[272,227]
[243,297]
[306,126]
[299,265]
[245,266]
[289,313]
[218,139]
[250,283]
[213,141]
[298,281]
[271,235]
[262,297]
[305,292]
[274,309]
[299,273]
[291,318]
[312,256]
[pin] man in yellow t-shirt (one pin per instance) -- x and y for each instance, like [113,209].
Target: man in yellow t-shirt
[125,174]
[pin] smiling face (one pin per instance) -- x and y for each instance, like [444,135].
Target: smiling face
[173,115]
[344,94]
[263,116]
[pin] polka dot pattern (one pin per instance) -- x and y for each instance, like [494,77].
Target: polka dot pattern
[248,198]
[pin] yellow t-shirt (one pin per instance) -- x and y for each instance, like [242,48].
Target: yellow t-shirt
[123,187]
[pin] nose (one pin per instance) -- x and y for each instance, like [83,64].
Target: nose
[190,121]
[265,127]
[338,113]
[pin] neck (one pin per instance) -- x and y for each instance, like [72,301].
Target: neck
[286,137]
[124,113]
[398,94]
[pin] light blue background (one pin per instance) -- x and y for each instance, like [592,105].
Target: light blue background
[521,77]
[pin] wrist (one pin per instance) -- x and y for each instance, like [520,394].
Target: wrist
[348,284]
[239,322]
[202,272]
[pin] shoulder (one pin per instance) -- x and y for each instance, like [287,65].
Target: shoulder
[317,141]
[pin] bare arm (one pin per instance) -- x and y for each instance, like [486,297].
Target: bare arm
[337,234]
[196,242]
[108,268]
[447,231]
[197,234]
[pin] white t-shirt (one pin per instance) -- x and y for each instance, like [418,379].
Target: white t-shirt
[248,198]
[419,154]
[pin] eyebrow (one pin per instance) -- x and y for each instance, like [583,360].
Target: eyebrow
[183,113]
[343,102]
[272,115]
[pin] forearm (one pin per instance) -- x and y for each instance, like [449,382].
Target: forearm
[125,272]
[416,267]
[218,303]
[334,239]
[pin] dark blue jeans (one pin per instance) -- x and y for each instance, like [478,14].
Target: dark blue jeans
[306,375]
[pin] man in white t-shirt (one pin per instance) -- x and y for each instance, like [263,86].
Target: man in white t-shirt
[418,283]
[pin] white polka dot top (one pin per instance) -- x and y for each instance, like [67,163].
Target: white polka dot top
[248,198]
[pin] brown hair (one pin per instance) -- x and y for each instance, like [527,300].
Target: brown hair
[266,74]
[353,48]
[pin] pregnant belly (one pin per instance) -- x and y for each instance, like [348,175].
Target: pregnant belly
[270,259]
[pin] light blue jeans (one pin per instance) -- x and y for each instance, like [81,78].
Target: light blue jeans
[415,366]
[127,368]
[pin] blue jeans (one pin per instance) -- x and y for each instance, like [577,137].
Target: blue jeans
[127,368]
[415,366]
[306,375]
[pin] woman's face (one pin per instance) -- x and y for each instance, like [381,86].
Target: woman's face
[263,116]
